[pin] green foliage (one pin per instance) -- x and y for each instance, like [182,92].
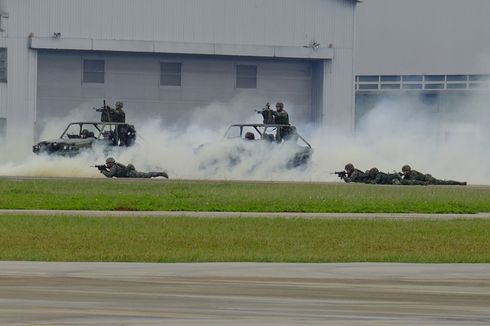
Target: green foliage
[120,194]
[242,240]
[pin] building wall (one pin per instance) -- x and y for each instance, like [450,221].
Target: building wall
[134,78]
[309,31]
[417,37]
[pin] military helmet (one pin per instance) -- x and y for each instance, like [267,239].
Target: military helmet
[279,105]
[119,104]
[349,167]
[406,168]
[110,160]
[373,171]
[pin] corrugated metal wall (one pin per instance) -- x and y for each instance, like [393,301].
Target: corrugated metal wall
[288,23]
[270,22]
[134,79]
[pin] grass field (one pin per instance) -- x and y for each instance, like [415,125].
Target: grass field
[120,194]
[240,239]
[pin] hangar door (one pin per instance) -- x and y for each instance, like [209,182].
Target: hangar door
[169,86]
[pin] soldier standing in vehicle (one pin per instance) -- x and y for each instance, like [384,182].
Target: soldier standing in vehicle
[119,170]
[281,117]
[118,115]
[413,175]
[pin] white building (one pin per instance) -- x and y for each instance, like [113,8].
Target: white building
[437,51]
[163,58]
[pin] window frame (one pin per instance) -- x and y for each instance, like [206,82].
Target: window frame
[93,72]
[3,65]
[171,74]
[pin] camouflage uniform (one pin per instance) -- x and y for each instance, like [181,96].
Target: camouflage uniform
[354,175]
[132,173]
[414,176]
[383,178]
[119,170]
[281,117]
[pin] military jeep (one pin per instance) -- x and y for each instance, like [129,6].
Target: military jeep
[256,144]
[79,136]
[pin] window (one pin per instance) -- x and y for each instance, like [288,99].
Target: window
[3,65]
[456,78]
[93,71]
[390,78]
[170,73]
[369,79]
[246,76]
[435,78]
[412,78]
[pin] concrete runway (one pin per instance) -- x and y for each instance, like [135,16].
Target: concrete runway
[43,293]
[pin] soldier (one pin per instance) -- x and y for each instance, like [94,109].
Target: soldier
[118,170]
[353,174]
[118,115]
[377,177]
[410,175]
[281,117]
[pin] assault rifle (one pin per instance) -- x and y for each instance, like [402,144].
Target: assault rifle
[340,174]
[106,112]
[101,167]
[266,114]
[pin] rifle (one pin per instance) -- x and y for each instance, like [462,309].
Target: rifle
[101,167]
[266,114]
[340,174]
[106,112]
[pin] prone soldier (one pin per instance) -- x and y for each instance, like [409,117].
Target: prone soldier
[410,175]
[352,174]
[119,170]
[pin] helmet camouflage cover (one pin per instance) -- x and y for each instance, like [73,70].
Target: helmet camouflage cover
[349,167]
[119,104]
[110,160]
[406,168]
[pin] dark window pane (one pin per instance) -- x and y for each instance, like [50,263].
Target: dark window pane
[434,86]
[246,82]
[93,65]
[3,64]
[412,86]
[390,86]
[369,79]
[390,78]
[171,73]
[412,78]
[368,86]
[93,77]
[93,71]
[435,78]
[246,76]
[456,86]
[456,77]
[479,78]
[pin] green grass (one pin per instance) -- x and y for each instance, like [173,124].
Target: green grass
[120,194]
[242,240]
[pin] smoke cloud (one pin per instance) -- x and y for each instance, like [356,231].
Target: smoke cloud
[448,140]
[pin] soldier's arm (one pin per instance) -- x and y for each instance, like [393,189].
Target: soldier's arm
[111,173]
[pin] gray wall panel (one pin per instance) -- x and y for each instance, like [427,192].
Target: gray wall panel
[134,79]
[423,37]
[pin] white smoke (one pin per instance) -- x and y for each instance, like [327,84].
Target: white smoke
[449,143]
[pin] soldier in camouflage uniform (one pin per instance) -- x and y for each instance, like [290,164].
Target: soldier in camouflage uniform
[410,175]
[118,170]
[353,174]
[377,177]
[281,117]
